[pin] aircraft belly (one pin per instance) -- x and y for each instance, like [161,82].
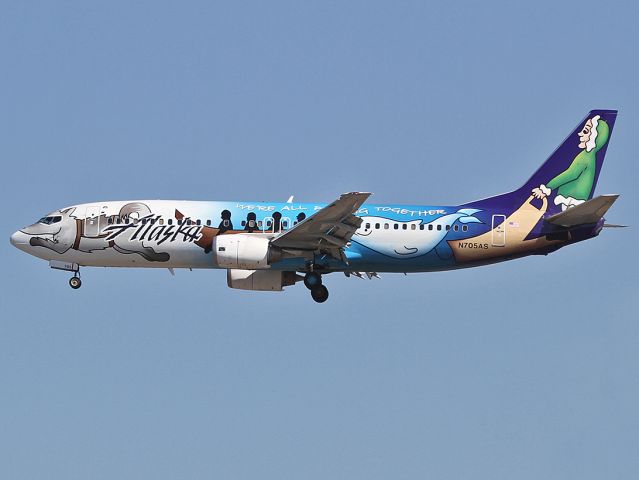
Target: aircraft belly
[126,256]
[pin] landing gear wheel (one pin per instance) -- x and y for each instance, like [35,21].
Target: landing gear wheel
[319,293]
[312,280]
[75,282]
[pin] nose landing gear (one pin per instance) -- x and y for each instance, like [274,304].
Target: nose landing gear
[313,281]
[75,281]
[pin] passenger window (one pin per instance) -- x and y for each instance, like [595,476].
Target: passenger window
[199,222]
[208,223]
[161,221]
[421,227]
[386,226]
[377,226]
[456,228]
[413,226]
[396,227]
[447,227]
[430,227]
[465,228]
[439,227]
[170,221]
[244,223]
[368,226]
[404,227]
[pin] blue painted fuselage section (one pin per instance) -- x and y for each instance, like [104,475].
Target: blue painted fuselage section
[391,238]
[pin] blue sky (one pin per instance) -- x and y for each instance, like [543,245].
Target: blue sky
[526,369]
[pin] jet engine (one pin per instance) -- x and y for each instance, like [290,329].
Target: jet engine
[243,251]
[263,280]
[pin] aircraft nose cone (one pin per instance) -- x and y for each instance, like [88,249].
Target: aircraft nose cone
[18,239]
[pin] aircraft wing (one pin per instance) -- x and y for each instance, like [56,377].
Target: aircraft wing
[591,211]
[328,229]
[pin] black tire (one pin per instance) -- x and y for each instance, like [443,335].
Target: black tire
[319,293]
[312,280]
[75,283]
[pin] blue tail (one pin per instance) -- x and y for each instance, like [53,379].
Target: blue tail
[569,176]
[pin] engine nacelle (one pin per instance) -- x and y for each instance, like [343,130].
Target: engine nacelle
[263,280]
[243,251]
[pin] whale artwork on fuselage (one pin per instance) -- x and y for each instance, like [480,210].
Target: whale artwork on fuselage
[378,233]
[267,246]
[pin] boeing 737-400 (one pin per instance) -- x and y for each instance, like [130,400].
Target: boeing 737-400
[271,245]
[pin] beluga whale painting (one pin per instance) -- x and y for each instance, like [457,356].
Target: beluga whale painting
[418,238]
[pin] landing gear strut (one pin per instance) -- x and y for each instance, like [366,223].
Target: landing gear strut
[313,281]
[75,281]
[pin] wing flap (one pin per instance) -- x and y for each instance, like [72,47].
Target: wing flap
[591,211]
[331,227]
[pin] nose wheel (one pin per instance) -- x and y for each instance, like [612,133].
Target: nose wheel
[313,281]
[75,282]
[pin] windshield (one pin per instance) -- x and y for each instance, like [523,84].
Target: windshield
[50,220]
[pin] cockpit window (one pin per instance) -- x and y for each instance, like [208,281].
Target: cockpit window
[50,220]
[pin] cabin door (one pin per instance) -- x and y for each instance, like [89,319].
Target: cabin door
[92,222]
[499,230]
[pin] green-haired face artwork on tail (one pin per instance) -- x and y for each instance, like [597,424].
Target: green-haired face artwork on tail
[574,185]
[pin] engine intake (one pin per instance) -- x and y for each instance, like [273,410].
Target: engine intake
[243,251]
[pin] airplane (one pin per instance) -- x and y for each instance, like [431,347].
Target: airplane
[267,246]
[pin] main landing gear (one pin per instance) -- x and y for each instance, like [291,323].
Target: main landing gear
[313,281]
[75,281]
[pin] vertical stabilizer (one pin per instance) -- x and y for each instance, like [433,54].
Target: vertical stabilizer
[569,176]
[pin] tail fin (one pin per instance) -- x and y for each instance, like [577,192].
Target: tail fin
[569,176]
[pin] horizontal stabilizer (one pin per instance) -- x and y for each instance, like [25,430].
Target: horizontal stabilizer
[590,211]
